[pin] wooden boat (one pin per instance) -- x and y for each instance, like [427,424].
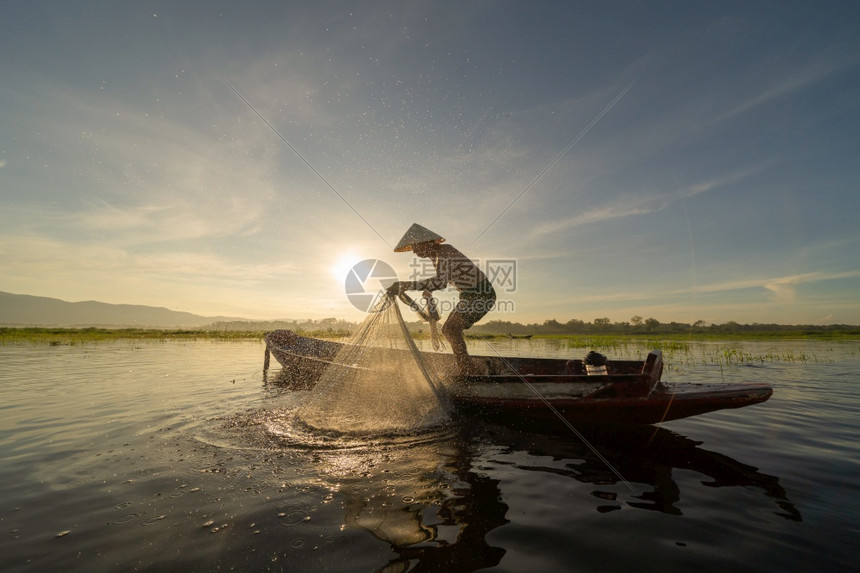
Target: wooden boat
[533,391]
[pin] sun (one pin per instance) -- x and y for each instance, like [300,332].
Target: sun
[342,264]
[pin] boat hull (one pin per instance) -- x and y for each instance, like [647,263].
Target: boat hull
[539,391]
[664,403]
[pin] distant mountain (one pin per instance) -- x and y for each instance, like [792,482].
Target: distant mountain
[25,310]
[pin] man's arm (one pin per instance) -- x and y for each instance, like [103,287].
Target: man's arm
[438,282]
[431,284]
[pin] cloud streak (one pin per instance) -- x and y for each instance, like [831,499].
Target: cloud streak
[630,205]
[798,79]
[782,289]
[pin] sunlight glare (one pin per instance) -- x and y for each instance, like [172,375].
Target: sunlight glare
[342,264]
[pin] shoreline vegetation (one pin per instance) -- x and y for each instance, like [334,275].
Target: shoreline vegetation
[600,332]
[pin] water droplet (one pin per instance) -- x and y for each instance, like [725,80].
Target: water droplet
[63,533]
[293,517]
[124,519]
[209,523]
[154,519]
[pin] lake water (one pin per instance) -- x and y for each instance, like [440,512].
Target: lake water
[179,456]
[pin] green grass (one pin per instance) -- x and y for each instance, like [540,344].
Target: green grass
[75,336]
[682,350]
[711,336]
[678,350]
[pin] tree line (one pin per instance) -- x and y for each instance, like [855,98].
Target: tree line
[640,325]
[601,325]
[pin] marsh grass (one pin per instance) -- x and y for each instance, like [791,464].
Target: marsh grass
[678,352]
[77,336]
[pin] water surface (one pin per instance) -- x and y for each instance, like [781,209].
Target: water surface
[182,456]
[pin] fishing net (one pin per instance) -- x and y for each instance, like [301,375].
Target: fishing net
[377,382]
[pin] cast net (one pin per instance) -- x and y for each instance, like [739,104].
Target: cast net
[378,382]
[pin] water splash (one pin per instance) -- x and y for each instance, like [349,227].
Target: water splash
[377,383]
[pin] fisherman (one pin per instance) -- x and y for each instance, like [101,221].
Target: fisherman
[477,295]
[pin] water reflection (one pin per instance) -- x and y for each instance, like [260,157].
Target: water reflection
[643,455]
[419,495]
[433,499]
[471,511]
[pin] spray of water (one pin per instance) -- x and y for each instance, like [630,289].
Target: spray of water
[378,382]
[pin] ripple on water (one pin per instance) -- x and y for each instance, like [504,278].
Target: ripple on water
[104,440]
[281,430]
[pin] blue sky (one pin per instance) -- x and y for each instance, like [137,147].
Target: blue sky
[677,160]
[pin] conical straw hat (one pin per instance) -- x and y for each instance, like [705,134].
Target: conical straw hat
[416,234]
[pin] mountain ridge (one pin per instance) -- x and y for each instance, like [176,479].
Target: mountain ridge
[22,310]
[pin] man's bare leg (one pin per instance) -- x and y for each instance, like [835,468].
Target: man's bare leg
[453,332]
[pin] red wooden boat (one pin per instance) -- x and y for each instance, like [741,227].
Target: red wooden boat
[538,390]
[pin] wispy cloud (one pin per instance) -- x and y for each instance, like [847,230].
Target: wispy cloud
[36,265]
[642,203]
[47,257]
[717,182]
[798,79]
[179,219]
[782,289]
[143,177]
[624,207]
